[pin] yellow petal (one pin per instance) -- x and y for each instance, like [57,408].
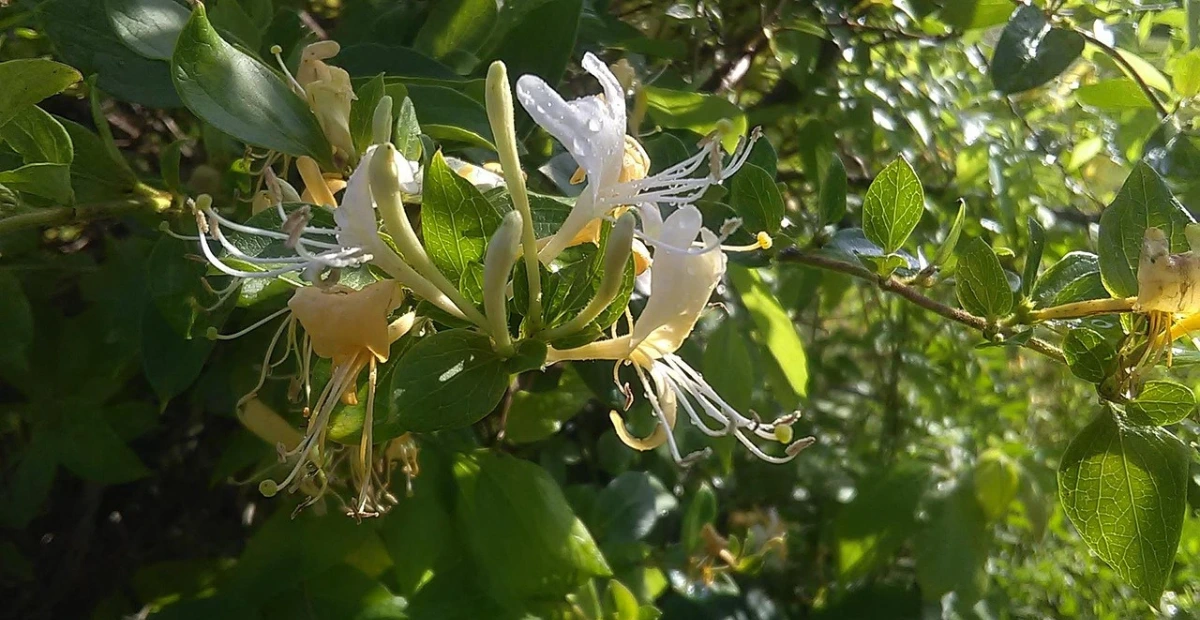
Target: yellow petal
[667,403]
[342,322]
[315,187]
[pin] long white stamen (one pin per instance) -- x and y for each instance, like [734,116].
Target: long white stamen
[256,325]
[658,412]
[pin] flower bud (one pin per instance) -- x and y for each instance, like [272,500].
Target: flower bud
[381,121]
[497,265]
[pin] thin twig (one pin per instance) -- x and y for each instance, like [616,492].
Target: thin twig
[1116,56]
[892,285]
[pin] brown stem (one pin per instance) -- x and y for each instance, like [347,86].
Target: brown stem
[892,285]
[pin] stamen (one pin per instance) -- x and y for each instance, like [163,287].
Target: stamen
[213,335]
[277,52]
[763,242]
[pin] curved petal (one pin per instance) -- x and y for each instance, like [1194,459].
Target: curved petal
[680,283]
[666,404]
[357,226]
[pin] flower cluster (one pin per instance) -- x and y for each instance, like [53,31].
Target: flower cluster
[312,239]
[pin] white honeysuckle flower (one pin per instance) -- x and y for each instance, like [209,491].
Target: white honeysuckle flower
[327,89]
[682,283]
[593,130]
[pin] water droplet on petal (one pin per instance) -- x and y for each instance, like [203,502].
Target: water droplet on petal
[593,125]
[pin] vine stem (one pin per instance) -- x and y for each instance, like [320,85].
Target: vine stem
[891,285]
[1080,309]
[60,216]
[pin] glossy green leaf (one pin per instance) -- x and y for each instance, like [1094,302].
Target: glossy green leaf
[170,361]
[51,181]
[520,530]
[1114,94]
[240,95]
[38,138]
[1089,355]
[865,537]
[232,20]
[981,285]
[407,136]
[946,249]
[1161,403]
[1030,52]
[148,27]
[756,199]
[893,206]
[1144,201]
[1074,278]
[701,511]
[976,14]
[446,381]
[627,509]
[1037,244]
[833,192]
[28,81]
[456,222]
[774,326]
[362,111]
[448,115]
[1187,74]
[94,175]
[541,44]
[456,25]
[85,39]
[700,113]
[533,416]
[368,59]
[1125,490]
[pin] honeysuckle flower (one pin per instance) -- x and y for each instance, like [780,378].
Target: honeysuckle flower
[351,328]
[682,282]
[593,130]
[328,91]
[1169,282]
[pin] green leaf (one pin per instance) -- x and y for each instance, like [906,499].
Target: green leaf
[449,115]
[982,287]
[1037,243]
[456,25]
[976,14]
[754,197]
[38,138]
[881,517]
[148,27]
[702,510]
[367,59]
[728,365]
[28,81]
[833,192]
[1187,74]
[946,250]
[456,221]
[952,548]
[996,479]
[533,416]
[1144,202]
[29,483]
[627,509]
[541,44]
[774,326]
[419,531]
[230,18]
[94,175]
[893,206]
[1030,52]
[1074,278]
[1114,94]
[1161,403]
[362,112]
[1125,490]
[84,37]
[520,529]
[700,113]
[170,361]
[407,136]
[446,381]
[1089,355]
[240,96]
[51,181]
[92,450]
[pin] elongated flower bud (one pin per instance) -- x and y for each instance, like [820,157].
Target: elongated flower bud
[616,256]
[381,122]
[386,189]
[497,265]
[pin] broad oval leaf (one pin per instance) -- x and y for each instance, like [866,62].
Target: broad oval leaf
[1125,490]
[756,198]
[893,206]
[30,80]
[240,96]
[1114,94]
[1161,403]
[1076,277]
[456,223]
[773,325]
[982,287]
[449,380]
[148,27]
[1089,355]
[1037,243]
[520,530]
[697,112]
[627,509]
[38,137]
[1030,52]
[1144,202]
[448,115]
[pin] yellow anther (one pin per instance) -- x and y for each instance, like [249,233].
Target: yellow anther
[764,240]
[275,49]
